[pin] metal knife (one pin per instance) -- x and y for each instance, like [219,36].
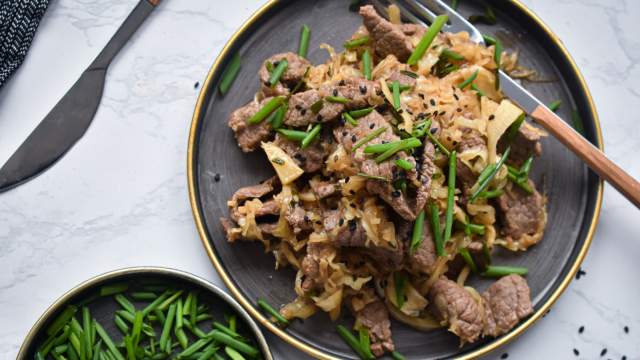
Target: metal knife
[72,115]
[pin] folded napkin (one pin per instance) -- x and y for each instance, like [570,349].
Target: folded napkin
[19,20]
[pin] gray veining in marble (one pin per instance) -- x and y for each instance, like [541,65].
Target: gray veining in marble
[123,187]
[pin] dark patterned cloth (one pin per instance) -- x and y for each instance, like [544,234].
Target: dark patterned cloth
[19,20]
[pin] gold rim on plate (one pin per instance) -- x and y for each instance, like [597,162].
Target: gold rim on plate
[148,271]
[300,345]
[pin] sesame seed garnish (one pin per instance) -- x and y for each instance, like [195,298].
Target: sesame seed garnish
[581,330]
[576,352]
[433,102]
[603,352]
[216,177]
[504,356]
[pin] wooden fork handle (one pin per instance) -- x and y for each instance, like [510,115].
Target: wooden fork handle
[596,159]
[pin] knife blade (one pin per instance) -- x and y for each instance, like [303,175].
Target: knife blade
[70,118]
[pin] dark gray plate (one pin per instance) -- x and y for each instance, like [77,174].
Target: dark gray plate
[574,193]
[103,308]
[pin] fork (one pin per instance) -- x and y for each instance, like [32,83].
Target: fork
[425,11]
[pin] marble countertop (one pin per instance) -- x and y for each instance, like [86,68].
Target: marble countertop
[124,184]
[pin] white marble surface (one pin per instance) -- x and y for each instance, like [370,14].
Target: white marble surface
[120,199]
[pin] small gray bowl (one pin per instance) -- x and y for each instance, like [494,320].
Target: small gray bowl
[103,308]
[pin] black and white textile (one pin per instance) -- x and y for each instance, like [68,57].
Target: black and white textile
[19,20]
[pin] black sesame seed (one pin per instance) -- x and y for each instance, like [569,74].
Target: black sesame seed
[435,113]
[456,96]
[459,110]
[195,86]
[396,193]
[433,130]
[581,330]
[319,118]
[580,274]
[306,218]
[318,222]
[346,180]
[626,329]
[352,224]
[372,126]
[425,105]
[341,222]
[504,356]
[363,89]
[409,112]
[335,92]
[491,117]
[433,102]
[354,138]
[298,107]
[379,92]
[342,83]
[624,357]
[303,111]
[216,177]
[603,352]
[576,352]
[344,133]
[342,121]
[352,192]
[442,112]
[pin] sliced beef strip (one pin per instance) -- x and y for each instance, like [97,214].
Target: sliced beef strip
[375,317]
[323,189]
[507,301]
[256,191]
[295,72]
[403,79]
[388,38]
[298,218]
[310,264]
[471,139]
[454,305]
[360,92]
[269,207]
[247,135]
[525,144]
[519,212]
[423,259]
[465,179]
[407,204]
[310,159]
[228,226]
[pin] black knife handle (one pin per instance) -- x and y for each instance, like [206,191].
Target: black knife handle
[124,33]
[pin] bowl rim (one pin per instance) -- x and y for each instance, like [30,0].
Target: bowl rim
[200,107]
[143,270]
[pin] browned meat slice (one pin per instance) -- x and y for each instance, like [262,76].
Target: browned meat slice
[295,72]
[423,259]
[525,144]
[352,234]
[471,139]
[304,108]
[256,191]
[228,226]
[389,39]
[375,317]
[310,264]
[403,79]
[249,136]
[507,301]
[412,29]
[309,159]
[269,207]
[455,306]
[323,189]
[406,204]
[465,179]
[299,218]
[520,212]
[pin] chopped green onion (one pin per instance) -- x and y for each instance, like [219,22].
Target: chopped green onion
[113,289]
[469,80]
[311,136]
[62,319]
[475,88]
[417,236]
[337,99]
[209,352]
[154,305]
[351,340]
[490,194]
[404,164]
[395,86]
[512,131]
[526,167]
[121,325]
[466,256]
[365,342]
[233,354]
[427,39]
[125,303]
[394,354]
[299,83]
[372,177]
[295,135]
[372,135]
[452,55]
[267,109]
[421,129]
[226,330]
[193,313]
[363,40]
[402,145]
[86,331]
[166,327]
[193,348]
[522,183]
[348,118]
[435,228]
[143,295]
[278,116]
[229,74]
[317,106]
[487,179]
[223,338]
[408,73]
[555,105]
[108,342]
[366,64]
[489,17]
[269,66]
[450,197]
[303,47]
[277,73]
[360,112]
[273,312]
[577,122]
[437,143]
[499,271]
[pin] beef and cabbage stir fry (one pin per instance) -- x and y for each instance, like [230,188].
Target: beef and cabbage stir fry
[399,169]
